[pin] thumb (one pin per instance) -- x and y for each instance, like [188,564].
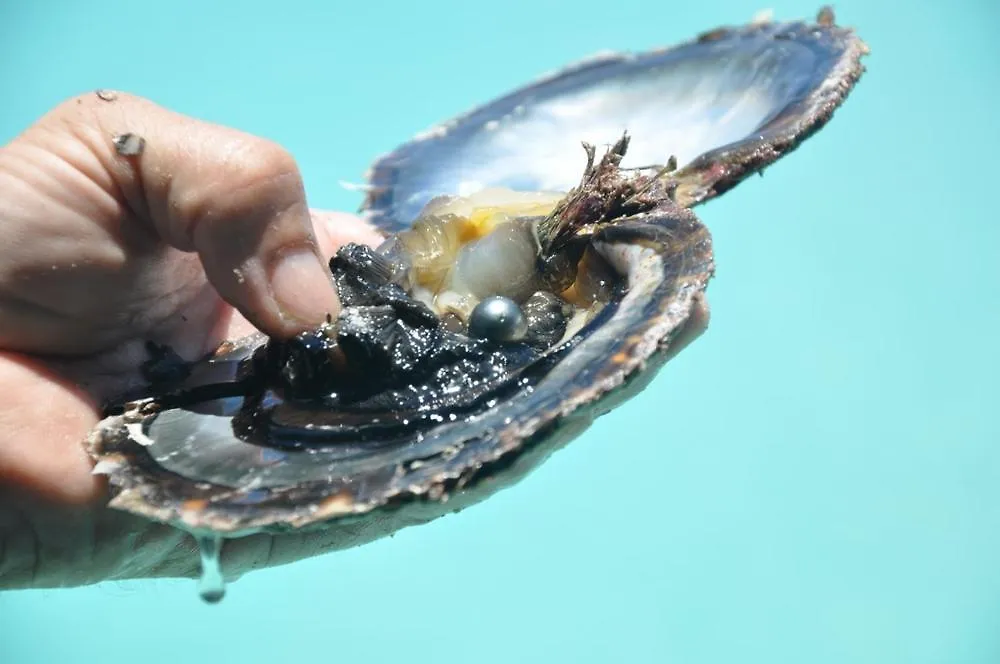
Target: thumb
[234,199]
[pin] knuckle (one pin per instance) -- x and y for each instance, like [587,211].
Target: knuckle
[257,163]
[255,179]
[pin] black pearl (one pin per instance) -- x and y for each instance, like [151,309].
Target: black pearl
[498,318]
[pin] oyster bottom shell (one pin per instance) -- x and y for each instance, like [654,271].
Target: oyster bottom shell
[187,468]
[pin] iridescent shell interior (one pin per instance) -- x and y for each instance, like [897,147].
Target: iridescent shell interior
[725,105]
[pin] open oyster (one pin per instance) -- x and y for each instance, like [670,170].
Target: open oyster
[525,287]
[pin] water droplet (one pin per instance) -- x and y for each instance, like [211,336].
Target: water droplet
[212,585]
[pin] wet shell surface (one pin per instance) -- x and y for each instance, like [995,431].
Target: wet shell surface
[526,287]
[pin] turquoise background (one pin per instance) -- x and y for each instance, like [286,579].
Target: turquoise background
[816,480]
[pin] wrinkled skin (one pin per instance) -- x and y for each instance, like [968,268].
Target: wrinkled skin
[98,254]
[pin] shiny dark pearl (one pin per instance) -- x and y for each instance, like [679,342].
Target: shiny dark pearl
[498,319]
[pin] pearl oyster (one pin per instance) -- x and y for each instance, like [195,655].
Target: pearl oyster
[525,287]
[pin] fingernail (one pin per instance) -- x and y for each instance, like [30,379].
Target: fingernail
[303,288]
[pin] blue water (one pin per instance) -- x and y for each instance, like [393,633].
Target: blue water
[816,480]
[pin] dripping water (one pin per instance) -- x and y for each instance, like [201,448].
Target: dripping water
[211,585]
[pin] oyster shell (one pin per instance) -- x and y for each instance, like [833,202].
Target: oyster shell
[726,105]
[397,412]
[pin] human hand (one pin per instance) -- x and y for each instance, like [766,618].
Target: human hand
[101,252]
[200,237]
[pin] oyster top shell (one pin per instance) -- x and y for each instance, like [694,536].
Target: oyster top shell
[726,105]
